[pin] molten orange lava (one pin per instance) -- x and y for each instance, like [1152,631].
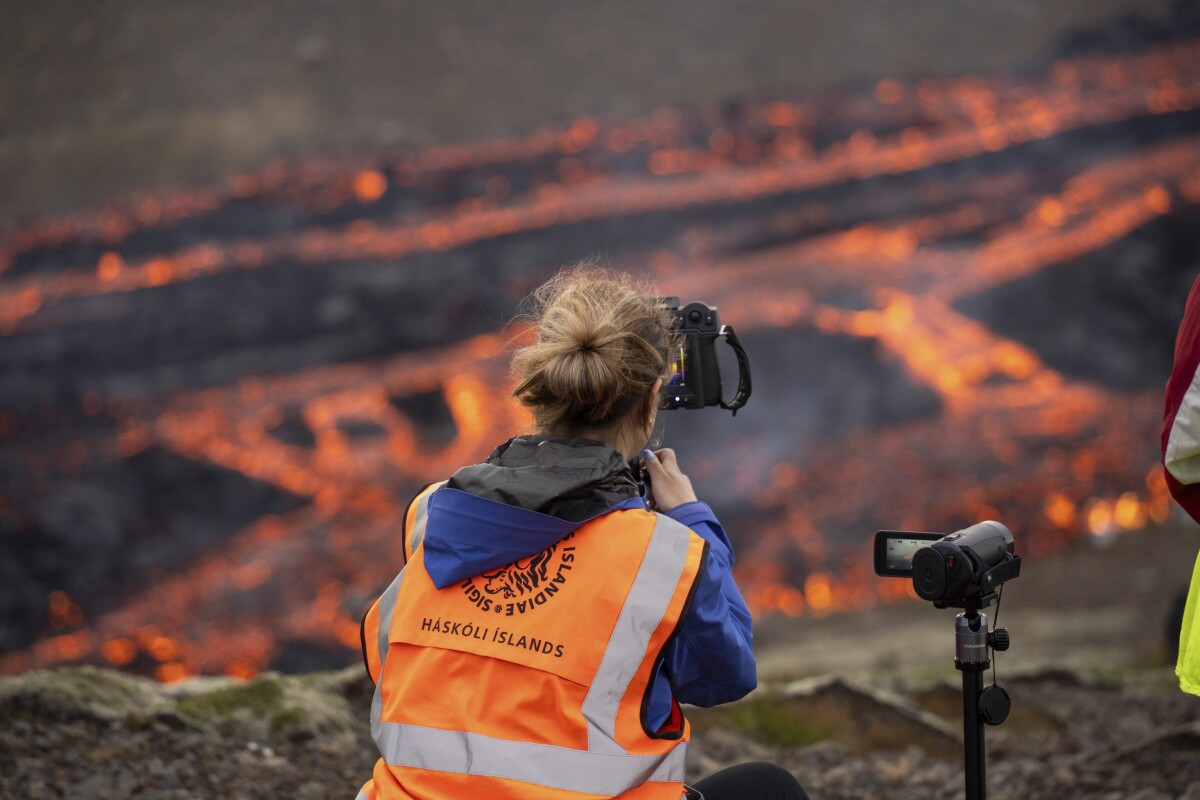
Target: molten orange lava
[1012,433]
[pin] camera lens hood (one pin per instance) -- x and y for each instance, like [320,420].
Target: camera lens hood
[929,574]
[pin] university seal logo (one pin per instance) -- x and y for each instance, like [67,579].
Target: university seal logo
[521,577]
[525,584]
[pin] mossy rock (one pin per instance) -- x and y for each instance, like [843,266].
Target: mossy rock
[763,718]
[774,723]
[860,718]
[256,698]
[270,707]
[867,719]
[72,693]
[273,706]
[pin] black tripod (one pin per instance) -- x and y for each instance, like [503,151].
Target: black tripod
[991,705]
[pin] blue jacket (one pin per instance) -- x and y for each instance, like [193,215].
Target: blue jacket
[535,490]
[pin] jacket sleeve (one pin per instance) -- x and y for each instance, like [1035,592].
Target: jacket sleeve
[711,660]
[1181,415]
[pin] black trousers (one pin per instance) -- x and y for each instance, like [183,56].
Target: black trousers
[757,780]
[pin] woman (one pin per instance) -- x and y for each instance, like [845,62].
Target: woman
[547,624]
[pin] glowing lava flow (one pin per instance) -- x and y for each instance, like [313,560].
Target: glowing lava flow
[351,520]
[997,392]
[1087,92]
[1012,438]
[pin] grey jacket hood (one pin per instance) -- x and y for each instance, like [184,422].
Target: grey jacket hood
[531,492]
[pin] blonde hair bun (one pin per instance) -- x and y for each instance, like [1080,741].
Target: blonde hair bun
[602,342]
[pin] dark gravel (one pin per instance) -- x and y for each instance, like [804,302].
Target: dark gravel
[97,734]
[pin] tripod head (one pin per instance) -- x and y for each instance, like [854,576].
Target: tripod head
[971,605]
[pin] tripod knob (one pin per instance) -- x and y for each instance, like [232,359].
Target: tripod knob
[998,639]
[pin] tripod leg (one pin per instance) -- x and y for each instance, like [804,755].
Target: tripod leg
[973,735]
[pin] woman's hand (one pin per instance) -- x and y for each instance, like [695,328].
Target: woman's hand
[668,487]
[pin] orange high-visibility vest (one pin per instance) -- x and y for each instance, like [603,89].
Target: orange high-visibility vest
[413,535]
[530,681]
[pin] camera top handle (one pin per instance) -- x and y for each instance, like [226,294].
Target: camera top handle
[743,389]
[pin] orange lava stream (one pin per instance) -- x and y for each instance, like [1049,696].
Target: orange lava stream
[229,427]
[996,393]
[1159,83]
[956,356]
[998,397]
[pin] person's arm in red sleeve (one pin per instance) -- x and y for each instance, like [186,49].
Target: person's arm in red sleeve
[1181,417]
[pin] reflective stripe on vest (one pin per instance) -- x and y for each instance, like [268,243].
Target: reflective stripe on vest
[416,533]
[540,764]
[605,767]
[387,602]
[643,610]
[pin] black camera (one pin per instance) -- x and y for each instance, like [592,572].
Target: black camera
[960,569]
[965,570]
[695,380]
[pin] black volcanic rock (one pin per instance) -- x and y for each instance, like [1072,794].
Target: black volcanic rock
[216,329]
[809,388]
[103,536]
[1110,317]
[436,428]
[293,430]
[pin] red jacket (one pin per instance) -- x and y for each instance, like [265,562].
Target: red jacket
[1181,417]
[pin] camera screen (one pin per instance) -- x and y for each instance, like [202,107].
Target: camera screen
[900,552]
[679,368]
[894,551]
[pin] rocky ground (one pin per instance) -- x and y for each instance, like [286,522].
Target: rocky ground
[91,733]
[862,704]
